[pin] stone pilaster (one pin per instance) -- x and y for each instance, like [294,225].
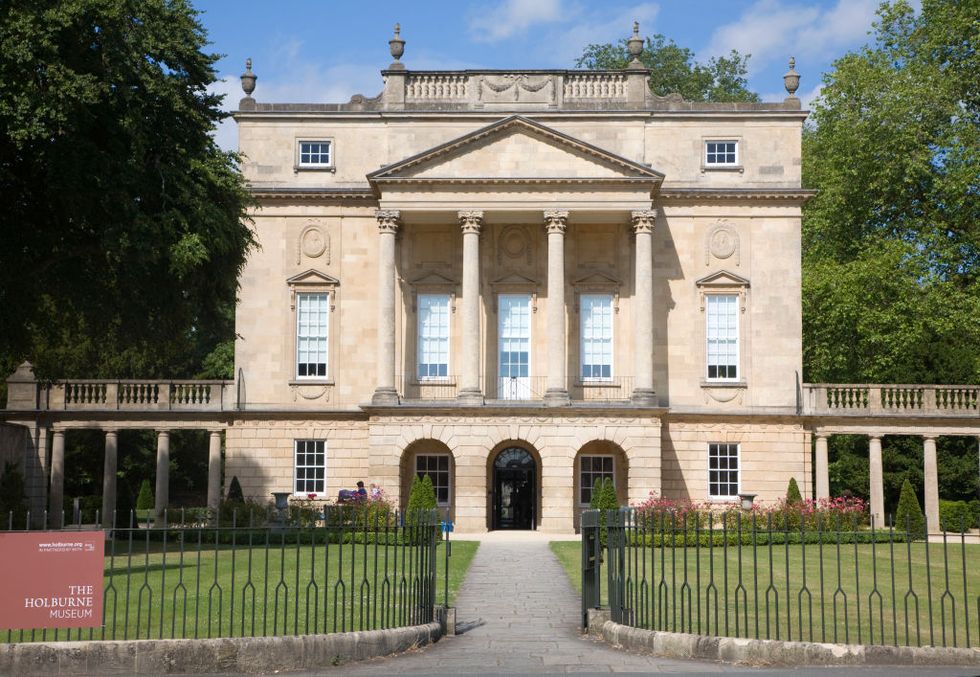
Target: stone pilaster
[643,393]
[162,497]
[931,479]
[471,222]
[821,467]
[109,478]
[56,493]
[877,481]
[214,471]
[388,223]
[555,222]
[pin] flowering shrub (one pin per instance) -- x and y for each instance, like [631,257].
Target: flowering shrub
[826,514]
[373,511]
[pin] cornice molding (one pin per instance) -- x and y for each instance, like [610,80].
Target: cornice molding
[799,195]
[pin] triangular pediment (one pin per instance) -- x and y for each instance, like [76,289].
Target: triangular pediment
[313,277]
[515,280]
[597,279]
[517,149]
[723,278]
[433,279]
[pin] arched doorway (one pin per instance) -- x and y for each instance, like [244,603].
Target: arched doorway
[514,489]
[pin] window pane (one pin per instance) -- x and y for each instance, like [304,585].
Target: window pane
[723,470]
[433,335]
[309,468]
[595,311]
[312,313]
[436,466]
[722,336]
[592,468]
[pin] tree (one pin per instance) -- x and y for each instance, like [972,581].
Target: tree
[13,497]
[124,224]
[909,516]
[235,490]
[673,69]
[145,499]
[891,242]
[793,496]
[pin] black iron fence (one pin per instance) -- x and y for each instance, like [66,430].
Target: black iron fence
[185,578]
[809,579]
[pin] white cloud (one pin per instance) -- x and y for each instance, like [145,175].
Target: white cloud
[513,17]
[589,29]
[771,29]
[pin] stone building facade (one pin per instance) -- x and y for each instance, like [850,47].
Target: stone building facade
[517,283]
[555,262]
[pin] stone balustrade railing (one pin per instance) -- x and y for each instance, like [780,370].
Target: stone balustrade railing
[138,395]
[480,89]
[887,399]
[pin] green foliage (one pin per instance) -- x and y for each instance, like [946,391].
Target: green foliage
[955,515]
[127,225]
[235,490]
[908,515]
[604,500]
[244,513]
[422,496]
[13,497]
[793,495]
[891,243]
[673,69]
[144,501]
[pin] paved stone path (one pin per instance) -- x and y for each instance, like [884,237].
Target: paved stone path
[518,613]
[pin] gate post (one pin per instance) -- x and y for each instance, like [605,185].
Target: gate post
[616,563]
[591,564]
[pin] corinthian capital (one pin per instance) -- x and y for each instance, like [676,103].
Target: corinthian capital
[556,220]
[470,221]
[389,220]
[643,220]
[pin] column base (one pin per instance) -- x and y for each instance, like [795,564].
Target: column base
[470,397]
[645,397]
[556,397]
[384,396]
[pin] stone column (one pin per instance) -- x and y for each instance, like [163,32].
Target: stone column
[471,223]
[214,471]
[109,479]
[56,494]
[877,482]
[555,222]
[931,479]
[643,393]
[388,223]
[821,468]
[163,473]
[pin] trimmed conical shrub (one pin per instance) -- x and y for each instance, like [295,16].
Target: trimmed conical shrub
[908,515]
[793,495]
[144,501]
[235,490]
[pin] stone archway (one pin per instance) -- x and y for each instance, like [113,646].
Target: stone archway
[513,486]
[429,457]
[598,458]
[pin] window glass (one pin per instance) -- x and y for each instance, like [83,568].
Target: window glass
[436,466]
[722,336]
[433,336]
[310,467]
[720,153]
[314,153]
[312,311]
[723,469]
[596,311]
[592,468]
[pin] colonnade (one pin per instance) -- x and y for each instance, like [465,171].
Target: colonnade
[930,470]
[555,223]
[56,491]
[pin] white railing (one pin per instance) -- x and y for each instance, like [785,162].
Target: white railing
[595,86]
[889,399]
[535,87]
[436,87]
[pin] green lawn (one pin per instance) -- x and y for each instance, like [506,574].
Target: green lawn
[849,599]
[255,591]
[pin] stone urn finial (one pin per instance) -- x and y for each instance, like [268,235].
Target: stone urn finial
[635,46]
[248,79]
[791,79]
[396,44]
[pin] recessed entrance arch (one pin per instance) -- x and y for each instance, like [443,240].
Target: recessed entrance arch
[514,500]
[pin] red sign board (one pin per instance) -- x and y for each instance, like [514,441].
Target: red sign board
[51,579]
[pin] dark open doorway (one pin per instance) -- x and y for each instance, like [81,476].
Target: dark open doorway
[514,489]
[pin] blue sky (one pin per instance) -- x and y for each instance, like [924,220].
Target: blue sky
[325,51]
